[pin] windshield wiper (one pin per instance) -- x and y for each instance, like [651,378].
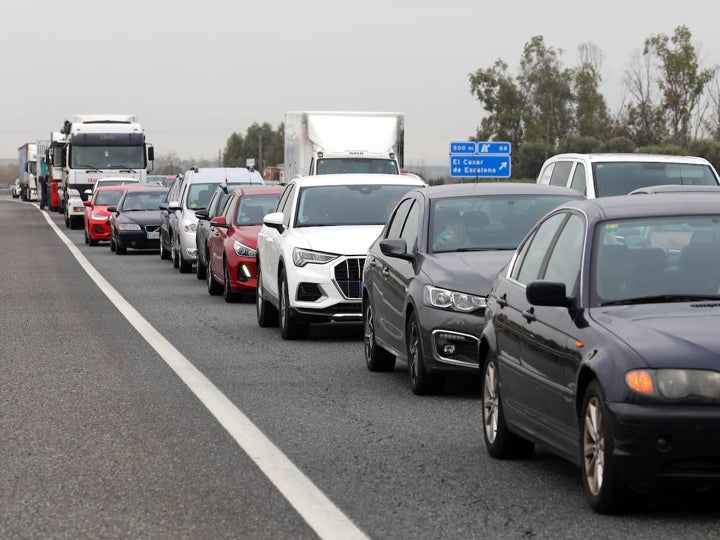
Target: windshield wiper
[125,168]
[88,168]
[662,298]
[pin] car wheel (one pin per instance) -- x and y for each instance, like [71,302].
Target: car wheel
[266,313]
[112,244]
[67,221]
[164,254]
[92,242]
[200,268]
[289,327]
[499,441]
[213,287]
[376,358]
[228,294]
[120,249]
[87,238]
[174,255]
[604,490]
[421,382]
[184,265]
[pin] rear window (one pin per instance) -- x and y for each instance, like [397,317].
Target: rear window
[623,177]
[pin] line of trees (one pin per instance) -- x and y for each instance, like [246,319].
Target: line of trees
[670,105]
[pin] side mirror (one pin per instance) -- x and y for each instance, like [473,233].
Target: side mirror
[396,247]
[274,221]
[150,152]
[88,192]
[547,293]
[173,205]
[112,209]
[220,222]
[202,214]
[87,203]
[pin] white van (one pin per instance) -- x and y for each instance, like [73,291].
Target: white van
[604,175]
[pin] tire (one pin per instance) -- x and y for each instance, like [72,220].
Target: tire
[422,383]
[112,244]
[605,492]
[376,358]
[213,287]
[174,255]
[184,265]
[67,222]
[500,442]
[87,238]
[120,249]
[267,315]
[92,242]
[228,294]
[289,328]
[164,254]
[200,268]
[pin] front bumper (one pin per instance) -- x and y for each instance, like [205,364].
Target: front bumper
[188,245]
[666,445]
[98,230]
[450,339]
[137,240]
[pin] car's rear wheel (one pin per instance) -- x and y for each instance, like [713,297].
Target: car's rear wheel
[421,382]
[376,358]
[228,293]
[214,288]
[266,313]
[290,328]
[499,440]
[605,491]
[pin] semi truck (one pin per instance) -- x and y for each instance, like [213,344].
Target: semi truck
[325,142]
[101,145]
[55,170]
[27,167]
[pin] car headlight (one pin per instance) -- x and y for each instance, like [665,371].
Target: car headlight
[189,225]
[452,300]
[674,383]
[241,250]
[98,217]
[301,257]
[128,227]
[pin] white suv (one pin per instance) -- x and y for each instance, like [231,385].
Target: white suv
[311,251]
[604,175]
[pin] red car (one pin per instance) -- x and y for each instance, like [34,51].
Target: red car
[96,216]
[232,268]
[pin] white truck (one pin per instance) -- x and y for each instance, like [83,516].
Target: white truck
[27,168]
[102,145]
[327,142]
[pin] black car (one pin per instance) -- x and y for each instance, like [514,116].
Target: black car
[427,275]
[600,344]
[135,221]
[215,207]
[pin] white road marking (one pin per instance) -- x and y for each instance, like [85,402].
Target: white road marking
[320,513]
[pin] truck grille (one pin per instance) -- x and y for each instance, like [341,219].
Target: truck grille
[348,275]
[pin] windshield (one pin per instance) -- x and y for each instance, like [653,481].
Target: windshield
[623,177]
[108,198]
[647,258]
[107,157]
[252,209]
[356,165]
[347,205]
[478,223]
[139,200]
[198,195]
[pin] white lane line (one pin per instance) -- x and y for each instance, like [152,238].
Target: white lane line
[320,513]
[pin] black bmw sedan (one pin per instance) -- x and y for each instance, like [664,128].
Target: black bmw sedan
[601,343]
[427,275]
[135,221]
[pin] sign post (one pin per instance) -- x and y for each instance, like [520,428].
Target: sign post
[471,159]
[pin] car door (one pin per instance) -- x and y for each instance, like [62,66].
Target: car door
[550,350]
[388,282]
[217,236]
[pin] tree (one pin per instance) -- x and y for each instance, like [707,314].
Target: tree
[260,143]
[591,108]
[680,79]
[642,117]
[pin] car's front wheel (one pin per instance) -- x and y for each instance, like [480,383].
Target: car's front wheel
[605,491]
[174,255]
[164,254]
[421,382]
[184,265]
[499,440]
[214,288]
[376,358]
[228,293]
[289,327]
[266,313]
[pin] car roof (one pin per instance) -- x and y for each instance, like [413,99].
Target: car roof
[496,188]
[675,188]
[132,185]
[622,157]
[356,179]
[631,206]
[266,190]
[220,174]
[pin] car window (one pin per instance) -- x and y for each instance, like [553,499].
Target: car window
[532,263]
[566,257]
[579,180]
[252,209]
[398,219]
[138,200]
[107,198]
[546,173]
[561,173]
[412,226]
[288,204]
[620,178]
[198,195]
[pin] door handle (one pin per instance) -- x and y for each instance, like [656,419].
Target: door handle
[385,272]
[529,315]
[371,261]
[502,301]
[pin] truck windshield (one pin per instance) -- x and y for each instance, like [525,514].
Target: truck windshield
[107,157]
[356,165]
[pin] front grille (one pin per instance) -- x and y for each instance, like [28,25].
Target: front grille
[151,228]
[348,275]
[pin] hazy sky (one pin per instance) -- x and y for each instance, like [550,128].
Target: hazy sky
[195,71]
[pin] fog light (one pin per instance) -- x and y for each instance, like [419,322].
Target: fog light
[244,273]
[449,349]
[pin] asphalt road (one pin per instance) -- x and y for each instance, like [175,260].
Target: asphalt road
[100,437]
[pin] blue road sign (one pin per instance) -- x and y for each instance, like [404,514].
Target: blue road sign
[480,166]
[480,159]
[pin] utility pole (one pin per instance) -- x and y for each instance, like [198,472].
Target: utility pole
[219,158]
[260,157]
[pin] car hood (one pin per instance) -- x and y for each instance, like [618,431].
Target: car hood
[246,235]
[667,335]
[141,217]
[471,272]
[342,239]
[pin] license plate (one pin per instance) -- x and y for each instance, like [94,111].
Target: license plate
[153,235]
